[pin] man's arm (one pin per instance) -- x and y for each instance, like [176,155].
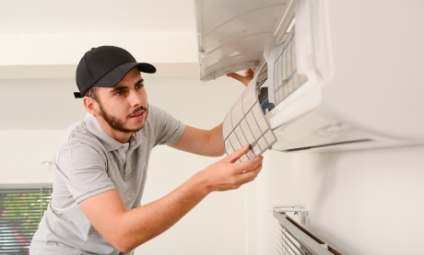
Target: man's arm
[202,142]
[125,228]
[209,142]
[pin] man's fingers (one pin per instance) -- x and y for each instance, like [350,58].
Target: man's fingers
[233,157]
[249,176]
[249,165]
[249,73]
[245,78]
[235,76]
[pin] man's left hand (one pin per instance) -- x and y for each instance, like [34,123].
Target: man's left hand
[245,79]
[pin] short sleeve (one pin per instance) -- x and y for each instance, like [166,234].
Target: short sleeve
[168,130]
[83,170]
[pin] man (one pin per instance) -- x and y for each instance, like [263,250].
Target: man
[101,167]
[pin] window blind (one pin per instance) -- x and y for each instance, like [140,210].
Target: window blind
[21,209]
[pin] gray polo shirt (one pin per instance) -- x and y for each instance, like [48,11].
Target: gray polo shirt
[91,162]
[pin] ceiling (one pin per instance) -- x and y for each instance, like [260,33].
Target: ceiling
[57,33]
[79,16]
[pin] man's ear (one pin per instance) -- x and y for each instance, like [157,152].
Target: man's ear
[90,105]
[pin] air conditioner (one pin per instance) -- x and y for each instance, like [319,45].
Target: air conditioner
[328,74]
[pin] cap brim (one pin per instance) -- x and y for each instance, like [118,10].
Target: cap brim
[117,74]
[77,95]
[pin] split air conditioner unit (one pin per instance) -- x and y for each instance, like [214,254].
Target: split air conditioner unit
[328,74]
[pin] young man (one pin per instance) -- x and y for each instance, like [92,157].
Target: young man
[101,167]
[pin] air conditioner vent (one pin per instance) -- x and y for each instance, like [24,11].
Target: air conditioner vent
[329,145]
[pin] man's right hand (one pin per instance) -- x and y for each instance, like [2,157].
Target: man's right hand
[229,173]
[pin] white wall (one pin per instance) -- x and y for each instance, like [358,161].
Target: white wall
[363,202]
[25,153]
[371,202]
[216,224]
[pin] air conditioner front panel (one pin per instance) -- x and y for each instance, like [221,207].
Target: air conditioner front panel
[378,81]
[232,34]
[320,131]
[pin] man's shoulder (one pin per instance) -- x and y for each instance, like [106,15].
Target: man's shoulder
[80,147]
[79,135]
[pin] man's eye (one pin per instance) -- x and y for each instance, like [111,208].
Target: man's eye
[139,85]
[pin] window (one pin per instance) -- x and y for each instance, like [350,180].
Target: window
[21,209]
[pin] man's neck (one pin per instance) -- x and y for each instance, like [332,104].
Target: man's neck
[122,137]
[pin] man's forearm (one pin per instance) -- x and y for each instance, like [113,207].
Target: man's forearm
[202,141]
[141,224]
[216,141]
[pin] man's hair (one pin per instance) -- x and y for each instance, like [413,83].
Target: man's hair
[92,93]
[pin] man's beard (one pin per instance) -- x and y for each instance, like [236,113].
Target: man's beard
[118,124]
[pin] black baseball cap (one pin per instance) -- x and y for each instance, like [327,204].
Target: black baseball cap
[105,66]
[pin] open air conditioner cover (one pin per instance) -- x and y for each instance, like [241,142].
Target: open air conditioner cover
[329,74]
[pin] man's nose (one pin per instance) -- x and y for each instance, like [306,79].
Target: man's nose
[135,98]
